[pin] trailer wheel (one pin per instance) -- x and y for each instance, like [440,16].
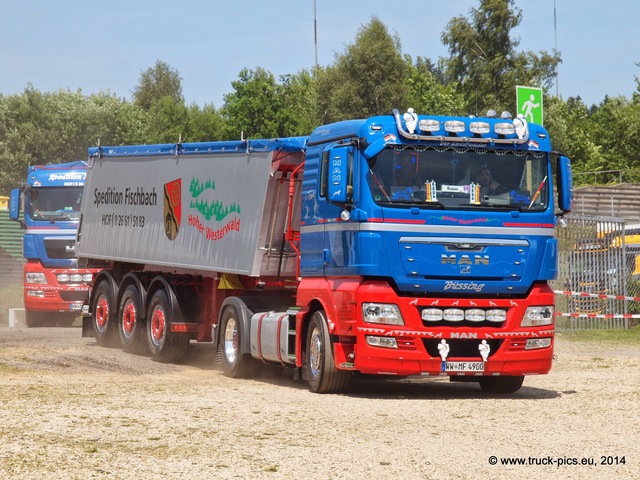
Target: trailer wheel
[501,384]
[322,375]
[131,327]
[164,345]
[234,363]
[104,312]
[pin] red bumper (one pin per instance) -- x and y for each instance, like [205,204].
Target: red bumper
[53,295]
[365,347]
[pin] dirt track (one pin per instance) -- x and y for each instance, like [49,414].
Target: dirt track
[72,410]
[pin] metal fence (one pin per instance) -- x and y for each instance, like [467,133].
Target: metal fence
[598,273]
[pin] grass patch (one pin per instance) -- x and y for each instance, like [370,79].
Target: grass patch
[629,337]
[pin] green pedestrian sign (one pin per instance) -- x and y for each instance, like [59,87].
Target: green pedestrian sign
[529,101]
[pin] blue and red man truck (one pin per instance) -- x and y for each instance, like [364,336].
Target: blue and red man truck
[54,287]
[370,246]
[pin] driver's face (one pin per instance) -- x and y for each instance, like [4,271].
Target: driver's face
[484,178]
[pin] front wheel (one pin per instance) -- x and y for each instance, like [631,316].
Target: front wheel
[501,384]
[235,364]
[322,375]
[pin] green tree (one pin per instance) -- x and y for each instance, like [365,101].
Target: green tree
[369,78]
[300,103]
[156,83]
[255,108]
[483,59]
[204,124]
[427,93]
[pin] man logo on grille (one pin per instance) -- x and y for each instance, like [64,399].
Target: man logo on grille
[172,208]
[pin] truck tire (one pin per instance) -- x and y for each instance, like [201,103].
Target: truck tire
[164,345]
[234,363]
[322,375]
[104,315]
[501,384]
[131,325]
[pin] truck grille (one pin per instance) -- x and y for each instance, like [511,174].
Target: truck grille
[60,248]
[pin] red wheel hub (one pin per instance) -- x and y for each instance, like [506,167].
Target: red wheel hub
[157,324]
[102,312]
[129,317]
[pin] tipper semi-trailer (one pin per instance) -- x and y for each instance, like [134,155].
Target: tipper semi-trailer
[375,246]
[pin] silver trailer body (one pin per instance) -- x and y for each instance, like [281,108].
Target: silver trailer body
[210,207]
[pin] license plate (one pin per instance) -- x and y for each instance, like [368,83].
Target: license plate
[464,367]
[76,307]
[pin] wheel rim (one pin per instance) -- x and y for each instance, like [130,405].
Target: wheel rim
[231,341]
[128,318]
[102,313]
[315,352]
[157,325]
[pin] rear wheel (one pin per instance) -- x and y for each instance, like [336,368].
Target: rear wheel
[131,327]
[164,345]
[104,315]
[322,375]
[501,384]
[234,363]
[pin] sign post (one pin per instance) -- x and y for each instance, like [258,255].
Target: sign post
[529,102]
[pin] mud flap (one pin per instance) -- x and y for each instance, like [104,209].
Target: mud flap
[87,326]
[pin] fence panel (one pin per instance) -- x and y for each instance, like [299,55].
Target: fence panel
[595,261]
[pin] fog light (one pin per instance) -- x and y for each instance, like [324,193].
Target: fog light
[496,315]
[432,314]
[35,293]
[454,315]
[385,342]
[534,343]
[474,315]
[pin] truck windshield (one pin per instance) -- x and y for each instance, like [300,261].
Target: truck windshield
[54,203]
[459,178]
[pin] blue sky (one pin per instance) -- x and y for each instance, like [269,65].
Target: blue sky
[94,46]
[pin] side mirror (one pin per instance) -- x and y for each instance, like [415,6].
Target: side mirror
[565,184]
[338,172]
[14,204]
[375,148]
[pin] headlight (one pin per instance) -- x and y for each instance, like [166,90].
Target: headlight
[538,316]
[35,277]
[384,313]
[63,278]
[76,277]
[87,277]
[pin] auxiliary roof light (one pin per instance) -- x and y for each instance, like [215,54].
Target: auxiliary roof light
[454,126]
[504,128]
[429,125]
[479,127]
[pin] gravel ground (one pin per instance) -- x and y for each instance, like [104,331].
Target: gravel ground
[72,410]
